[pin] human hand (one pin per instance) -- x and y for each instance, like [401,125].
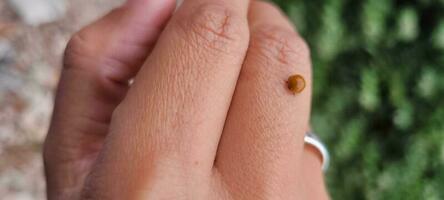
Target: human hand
[207,117]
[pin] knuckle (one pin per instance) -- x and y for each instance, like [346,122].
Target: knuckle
[214,26]
[279,45]
[76,50]
[275,52]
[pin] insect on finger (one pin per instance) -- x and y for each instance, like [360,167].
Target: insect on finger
[296,83]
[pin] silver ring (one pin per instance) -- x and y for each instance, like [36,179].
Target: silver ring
[313,140]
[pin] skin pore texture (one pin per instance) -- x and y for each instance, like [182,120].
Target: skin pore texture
[208,116]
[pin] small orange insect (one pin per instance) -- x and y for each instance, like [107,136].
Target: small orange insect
[296,83]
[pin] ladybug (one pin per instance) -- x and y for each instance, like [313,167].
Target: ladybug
[296,83]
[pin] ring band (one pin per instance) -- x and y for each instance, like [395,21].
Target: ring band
[313,140]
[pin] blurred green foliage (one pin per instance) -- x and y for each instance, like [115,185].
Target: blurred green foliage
[379,94]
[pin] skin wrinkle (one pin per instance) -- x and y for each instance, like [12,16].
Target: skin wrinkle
[283,58]
[110,84]
[77,51]
[220,31]
[113,65]
[118,70]
[212,26]
[282,43]
[98,119]
[129,65]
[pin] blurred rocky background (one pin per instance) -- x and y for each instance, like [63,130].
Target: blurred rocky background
[33,35]
[378,98]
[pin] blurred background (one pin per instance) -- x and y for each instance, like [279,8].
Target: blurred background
[378,99]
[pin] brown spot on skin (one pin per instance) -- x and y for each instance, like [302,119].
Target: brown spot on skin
[296,83]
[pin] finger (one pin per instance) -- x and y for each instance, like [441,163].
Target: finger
[176,109]
[99,60]
[312,175]
[260,151]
